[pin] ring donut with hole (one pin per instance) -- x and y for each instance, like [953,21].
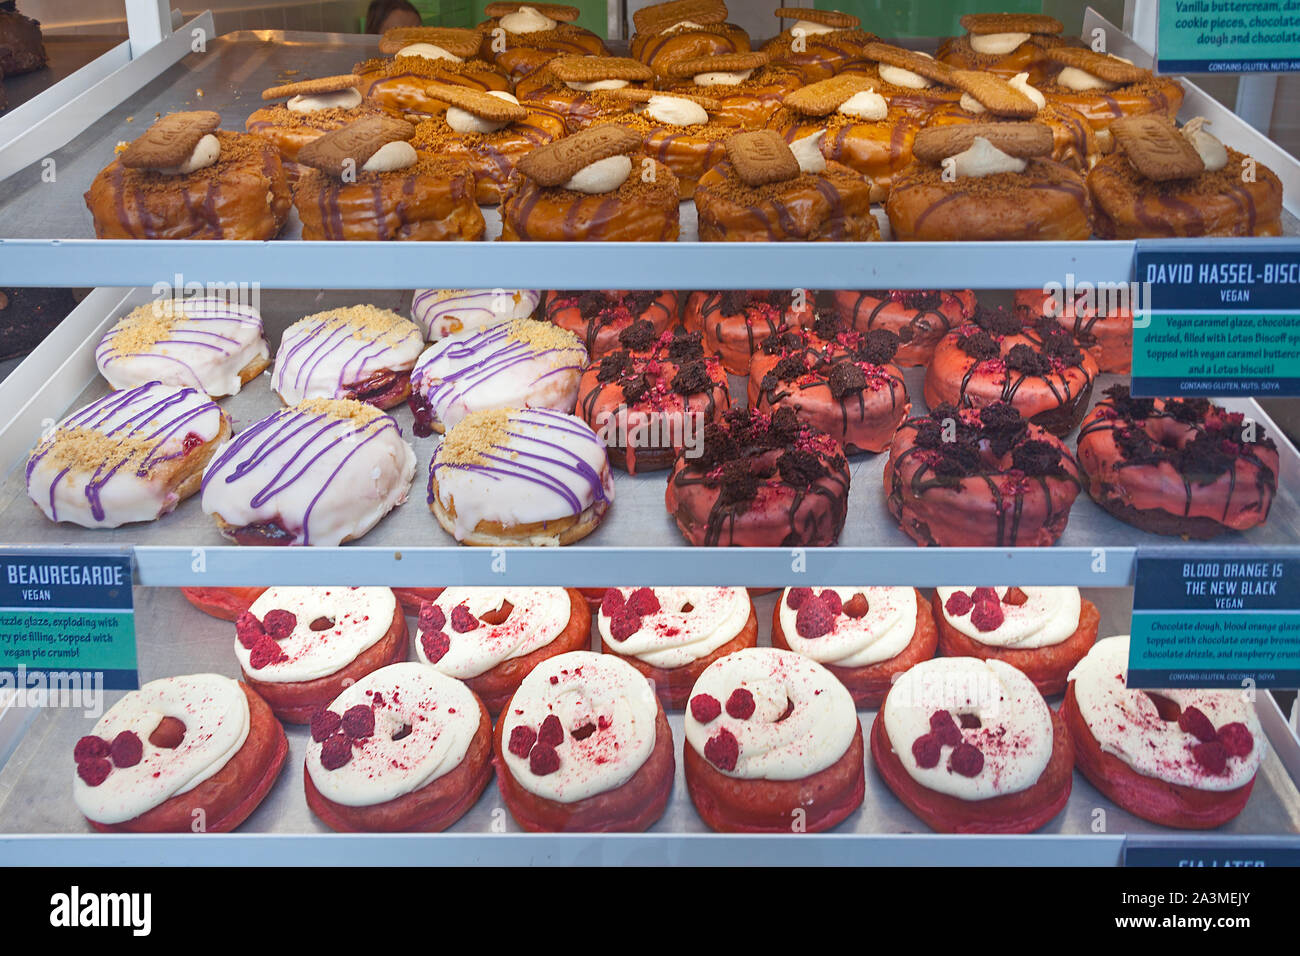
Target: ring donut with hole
[584,746]
[491,638]
[300,647]
[773,745]
[1183,758]
[970,746]
[864,636]
[403,749]
[196,753]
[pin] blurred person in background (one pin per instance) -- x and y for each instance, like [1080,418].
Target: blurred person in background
[385,15]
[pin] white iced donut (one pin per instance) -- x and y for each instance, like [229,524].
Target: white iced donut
[680,624]
[881,632]
[1047,616]
[455,639]
[441,312]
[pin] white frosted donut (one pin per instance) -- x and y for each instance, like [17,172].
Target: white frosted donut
[519,364]
[320,473]
[129,456]
[208,343]
[609,705]
[537,617]
[215,713]
[1048,616]
[441,312]
[1127,724]
[788,715]
[360,616]
[882,633]
[439,715]
[690,623]
[342,353]
[1011,725]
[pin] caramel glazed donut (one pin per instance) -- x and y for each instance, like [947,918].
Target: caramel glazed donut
[179,753]
[1177,466]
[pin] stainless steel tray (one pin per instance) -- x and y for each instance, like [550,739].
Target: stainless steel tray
[174,638]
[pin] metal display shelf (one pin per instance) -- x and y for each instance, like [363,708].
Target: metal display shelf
[40,822]
[47,237]
[637,542]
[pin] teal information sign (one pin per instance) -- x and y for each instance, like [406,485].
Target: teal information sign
[1228,36]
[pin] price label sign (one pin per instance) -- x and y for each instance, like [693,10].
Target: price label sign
[1228,36]
[1219,620]
[67,625]
[1232,854]
[1221,322]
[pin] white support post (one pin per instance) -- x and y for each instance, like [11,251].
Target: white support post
[1142,22]
[148,22]
[1255,95]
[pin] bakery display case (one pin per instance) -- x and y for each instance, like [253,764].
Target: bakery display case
[852,483]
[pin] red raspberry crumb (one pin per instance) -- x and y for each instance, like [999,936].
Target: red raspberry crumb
[583,732]
[522,739]
[958,604]
[796,596]
[1212,755]
[966,760]
[94,771]
[89,747]
[1194,722]
[335,752]
[925,749]
[265,652]
[248,630]
[858,606]
[431,617]
[740,704]
[612,602]
[603,722]
[1236,739]
[832,601]
[543,760]
[814,619]
[987,616]
[435,645]
[984,595]
[551,732]
[705,707]
[1015,597]
[279,624]
[127,749]
[462,620]
[359,722]
[722,750]
[625,625]
[324,724]
[945,729]
[643,601]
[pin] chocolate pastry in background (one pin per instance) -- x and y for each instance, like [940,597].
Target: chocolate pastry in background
[21,47]
[600,317]
[28,315]
[736,323]
[919,317]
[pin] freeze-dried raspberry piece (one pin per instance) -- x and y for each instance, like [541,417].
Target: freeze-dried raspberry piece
[1015,597]
[322,623]
[958,604]
[248,630]
[90,747]
[740,704]
[522,739]
[970,721]
[462,620]
[266,652]
[966,760]
[987,616]
[1236,739]
[1193,721]
[335,752]
[795,597]
[722,750]
[94,771]
[543,760]
[642,601]
[705,707]
[625,625]
[925,750]
[324,724]
[551,733]
[982,595]
[612,603]
[279,624]
[583,732]
[359,722]
[431,617]
[944,728]
[814,619]
[435,646]
[857,606]
[832,601]
[126,749]
[1211,755]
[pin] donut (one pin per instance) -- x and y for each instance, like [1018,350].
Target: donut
[405,748]
[491,638]
[224,603]
[736,323]
[409,85]
[672,634]
[298,648]
[362,353]
[848,388]
[520,364]
[130,456]
[207,343]
[919,318]
[598,318]
[653,397]
[1177,466]
[510,476]
[441,312]
[865,636]
[584,746]
[180,755]
[1040,631]
[761,481]
[1181,758]
[979,478]
[320,473]
[412,599]
[996,358]
[970,746]
[1103,330]
[773,745]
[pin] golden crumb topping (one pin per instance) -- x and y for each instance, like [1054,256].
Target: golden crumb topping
[543,335]
[359,413]
[368,322]
[466,442]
